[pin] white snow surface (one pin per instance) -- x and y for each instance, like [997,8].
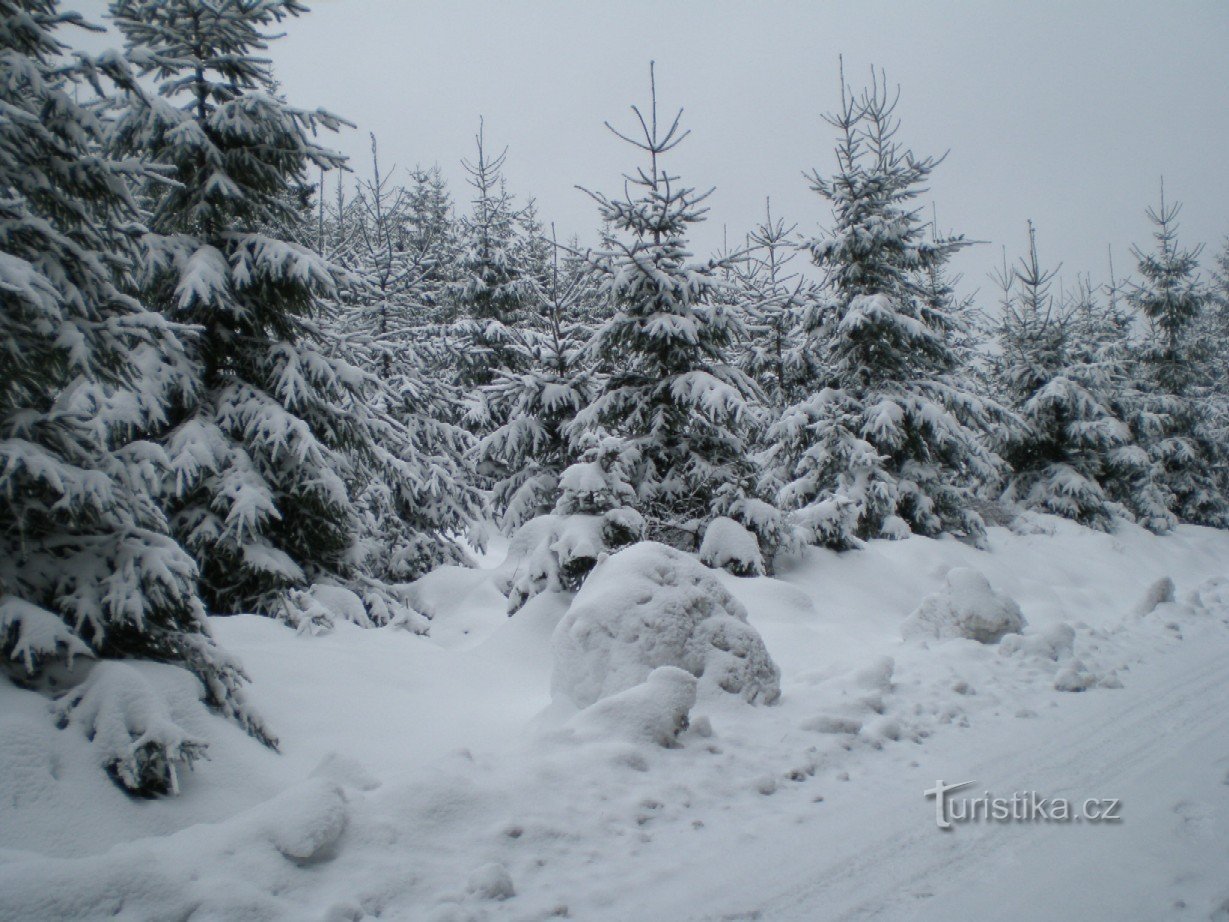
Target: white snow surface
[433,778]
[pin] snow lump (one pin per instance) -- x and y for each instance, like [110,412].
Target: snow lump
[966,607]
[650,605]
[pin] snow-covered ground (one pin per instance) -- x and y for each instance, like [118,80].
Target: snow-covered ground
[435,779]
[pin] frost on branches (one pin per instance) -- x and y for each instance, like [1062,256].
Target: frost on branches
[893,440]
[670,390]
[87,565]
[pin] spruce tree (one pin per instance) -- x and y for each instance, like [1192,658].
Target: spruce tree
[536,442]
[896,441]
[87,564]
[259,448]
[490,292]
[1171,299]
[1062,367]
[671,391]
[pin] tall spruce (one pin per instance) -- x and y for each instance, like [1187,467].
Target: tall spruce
[87,564]
[259,447]
[1062,365]
[896,441]
[1171,299]
[671,391]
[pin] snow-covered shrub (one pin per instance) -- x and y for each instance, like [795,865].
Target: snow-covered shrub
[966,607]
[729,546]
[129,721]
[555,553]
[655,711]
[648,606]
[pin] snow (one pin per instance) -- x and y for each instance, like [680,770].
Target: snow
[966,607]
[436,778]
[649,606]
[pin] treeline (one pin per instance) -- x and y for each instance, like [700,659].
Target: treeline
[230,385]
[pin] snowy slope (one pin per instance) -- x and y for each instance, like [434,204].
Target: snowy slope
[433,778]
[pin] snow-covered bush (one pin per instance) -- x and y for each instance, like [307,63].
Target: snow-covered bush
[655,711]
[966,607]
[129,721]
[648,606]
[555,553]
[727,545]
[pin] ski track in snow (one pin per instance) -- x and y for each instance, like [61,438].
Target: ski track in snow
[1139,735]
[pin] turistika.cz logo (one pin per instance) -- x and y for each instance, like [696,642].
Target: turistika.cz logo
[1021,807]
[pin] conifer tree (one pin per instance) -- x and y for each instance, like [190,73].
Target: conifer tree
[1172,299]
[1062,366]
[536,442]
[897,441]
[671,391]
[259,448]
[87,564]
[490,292]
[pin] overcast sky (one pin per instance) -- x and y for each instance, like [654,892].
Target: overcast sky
[1061,111]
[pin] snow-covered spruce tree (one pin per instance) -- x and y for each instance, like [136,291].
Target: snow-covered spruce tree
[87,566]
[897,441]
[412,484]
[1171,299]
[782,310]
[1060,366]
[535,442]
[490,292]
[259,450]
[671,391]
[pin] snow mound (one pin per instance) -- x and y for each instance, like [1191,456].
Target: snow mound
[655,711]
[729,546]
[966,607]
[1077,677]
[491,882]
[648,606]
[1211,596]
[1055,643]
[1158,593]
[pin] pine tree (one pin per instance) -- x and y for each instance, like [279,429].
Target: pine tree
[897,442]
[87,564]
[671,391]
[259,449]
[1171,299]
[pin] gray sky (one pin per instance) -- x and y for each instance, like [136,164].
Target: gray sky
[1064,112]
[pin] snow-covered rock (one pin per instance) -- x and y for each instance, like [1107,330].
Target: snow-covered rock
[655,711]
[648,606]
[966,607]
[729,546]
[491,882]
